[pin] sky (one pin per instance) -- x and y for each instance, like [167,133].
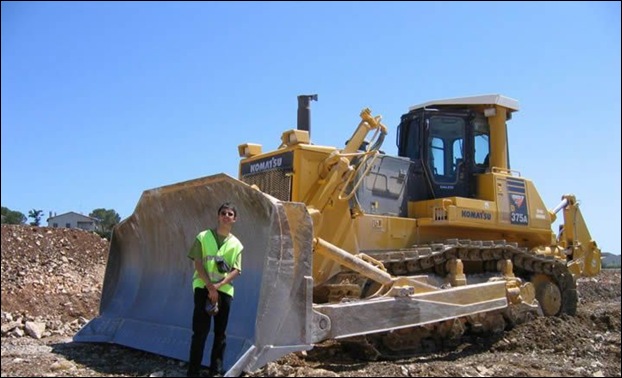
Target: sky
[103,100]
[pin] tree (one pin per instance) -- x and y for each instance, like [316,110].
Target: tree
[12,217]
[36,216]
[107,220]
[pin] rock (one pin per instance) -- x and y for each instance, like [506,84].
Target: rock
[7,327]
[62,365]
[34,329]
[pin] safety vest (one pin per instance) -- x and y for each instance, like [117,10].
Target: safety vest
[230,251]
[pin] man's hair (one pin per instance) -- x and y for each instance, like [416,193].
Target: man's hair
[230,206]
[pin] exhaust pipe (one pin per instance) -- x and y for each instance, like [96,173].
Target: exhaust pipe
[304,112]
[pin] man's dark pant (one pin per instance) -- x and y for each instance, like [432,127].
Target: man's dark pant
[201,322]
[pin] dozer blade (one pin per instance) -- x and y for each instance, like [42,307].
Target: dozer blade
[147,298]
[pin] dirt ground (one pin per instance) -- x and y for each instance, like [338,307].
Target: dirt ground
[52,280]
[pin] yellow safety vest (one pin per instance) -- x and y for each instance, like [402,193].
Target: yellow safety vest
[230,251]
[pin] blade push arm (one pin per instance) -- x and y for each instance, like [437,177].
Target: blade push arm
[575,238]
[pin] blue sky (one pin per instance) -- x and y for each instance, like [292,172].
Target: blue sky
[102,100]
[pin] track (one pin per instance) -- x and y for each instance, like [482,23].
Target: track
[554,286]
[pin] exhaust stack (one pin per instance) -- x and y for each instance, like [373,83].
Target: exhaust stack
[304,112]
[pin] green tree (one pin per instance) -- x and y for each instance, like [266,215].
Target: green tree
[107,220]
[12,217]
[36,216]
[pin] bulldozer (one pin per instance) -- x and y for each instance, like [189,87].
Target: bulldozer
[395,254]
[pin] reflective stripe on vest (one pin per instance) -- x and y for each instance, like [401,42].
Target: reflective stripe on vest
[229,251]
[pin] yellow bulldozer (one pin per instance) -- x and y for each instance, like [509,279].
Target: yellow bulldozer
[393,253]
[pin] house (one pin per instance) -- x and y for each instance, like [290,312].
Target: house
[73,220]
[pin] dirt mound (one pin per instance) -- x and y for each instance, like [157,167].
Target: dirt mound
[52,271]
[52,279]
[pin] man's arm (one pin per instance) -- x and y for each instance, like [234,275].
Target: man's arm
[230,277]
[196,255]
[213,294]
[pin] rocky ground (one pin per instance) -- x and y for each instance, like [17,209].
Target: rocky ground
[52,279]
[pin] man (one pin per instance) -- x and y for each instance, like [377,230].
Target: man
[217,256]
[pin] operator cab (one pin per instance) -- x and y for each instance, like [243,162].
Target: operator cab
[449,141]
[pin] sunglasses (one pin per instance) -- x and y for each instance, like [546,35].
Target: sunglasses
[227,213]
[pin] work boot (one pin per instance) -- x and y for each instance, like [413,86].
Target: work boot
[216,370]
[193,373]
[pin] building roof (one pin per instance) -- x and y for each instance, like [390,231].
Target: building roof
[73,212]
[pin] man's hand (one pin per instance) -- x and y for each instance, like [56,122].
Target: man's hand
[212,293]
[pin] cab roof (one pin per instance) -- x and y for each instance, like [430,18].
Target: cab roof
[489,99]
